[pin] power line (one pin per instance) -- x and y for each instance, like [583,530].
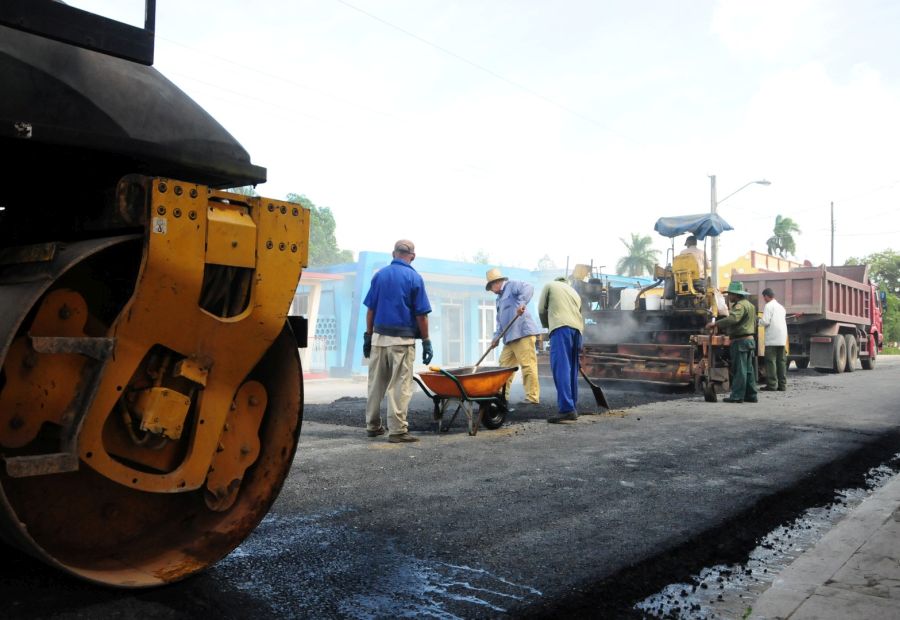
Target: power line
[282,79]
[274,103]
[488,71]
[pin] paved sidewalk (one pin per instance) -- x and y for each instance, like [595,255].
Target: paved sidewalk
[324,391]
[852,573]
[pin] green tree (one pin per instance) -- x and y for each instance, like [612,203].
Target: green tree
[481,258]
[884,269]
[640,258]
[782,240]
[323,249]
[546,263]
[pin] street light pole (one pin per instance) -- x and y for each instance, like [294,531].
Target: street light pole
[713,208]
[714,244]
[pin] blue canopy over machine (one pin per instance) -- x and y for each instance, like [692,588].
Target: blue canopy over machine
[701,226]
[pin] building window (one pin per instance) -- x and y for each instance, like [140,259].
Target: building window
[326,327]
[452,349]
[300,305]
[487,312]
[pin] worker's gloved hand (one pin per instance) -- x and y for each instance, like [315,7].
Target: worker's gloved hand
[427,352]
[367,345]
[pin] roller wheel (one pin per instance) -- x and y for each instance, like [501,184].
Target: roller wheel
[802,363]
[840,354]
[102,531]
[852,352]
[492,415]
[868,363]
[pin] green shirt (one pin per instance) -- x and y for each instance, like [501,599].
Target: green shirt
[560,306]
[741,320]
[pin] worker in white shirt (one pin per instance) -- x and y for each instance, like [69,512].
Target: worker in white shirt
[690,248]
[774,321]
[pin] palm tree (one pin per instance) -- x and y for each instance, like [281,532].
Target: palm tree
[640,258]
[782,241]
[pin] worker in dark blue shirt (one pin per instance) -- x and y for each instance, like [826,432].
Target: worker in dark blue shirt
[397,314]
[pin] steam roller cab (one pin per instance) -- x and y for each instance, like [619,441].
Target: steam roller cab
[150,386]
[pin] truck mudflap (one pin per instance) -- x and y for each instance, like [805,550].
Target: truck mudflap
[821,351]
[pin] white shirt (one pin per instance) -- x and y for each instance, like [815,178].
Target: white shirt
[699,256]
[774,321]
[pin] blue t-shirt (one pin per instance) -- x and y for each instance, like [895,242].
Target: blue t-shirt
[397,296]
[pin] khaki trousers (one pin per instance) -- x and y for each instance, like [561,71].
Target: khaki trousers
[390,374]
[521,353]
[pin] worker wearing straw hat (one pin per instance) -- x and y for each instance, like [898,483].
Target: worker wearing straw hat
[519,340]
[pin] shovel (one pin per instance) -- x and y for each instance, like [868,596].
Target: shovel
[489,349]
[499,338]
[599,396]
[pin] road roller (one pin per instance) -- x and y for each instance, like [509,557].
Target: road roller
[151,392]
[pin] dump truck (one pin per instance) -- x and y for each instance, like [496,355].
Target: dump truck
[151,393]
[834,314]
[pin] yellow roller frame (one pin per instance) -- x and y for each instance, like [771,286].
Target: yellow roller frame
[164,310]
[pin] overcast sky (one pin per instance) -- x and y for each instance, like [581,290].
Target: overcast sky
[521,128]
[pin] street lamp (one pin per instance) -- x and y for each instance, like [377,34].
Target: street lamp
[713,205]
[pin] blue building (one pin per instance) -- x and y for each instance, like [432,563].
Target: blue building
[462,321]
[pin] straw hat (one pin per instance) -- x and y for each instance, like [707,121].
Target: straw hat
[492,276]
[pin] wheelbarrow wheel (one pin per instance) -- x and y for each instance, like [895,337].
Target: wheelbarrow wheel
[492,415]
[709,392]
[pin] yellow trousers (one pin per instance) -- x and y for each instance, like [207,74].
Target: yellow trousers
[522,353]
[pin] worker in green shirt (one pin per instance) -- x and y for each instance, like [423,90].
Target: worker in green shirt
[559,309]
[740,327]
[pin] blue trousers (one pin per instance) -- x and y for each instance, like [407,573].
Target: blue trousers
[565,346]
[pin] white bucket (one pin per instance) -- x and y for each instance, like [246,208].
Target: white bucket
[653,302]
[627,298]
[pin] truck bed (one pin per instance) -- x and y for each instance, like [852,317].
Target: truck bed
[817,292]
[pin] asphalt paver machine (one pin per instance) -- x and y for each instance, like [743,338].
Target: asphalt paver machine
[659,337]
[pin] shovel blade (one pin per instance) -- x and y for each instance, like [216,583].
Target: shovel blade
[599,396]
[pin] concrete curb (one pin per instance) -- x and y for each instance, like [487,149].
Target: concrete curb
[852,572]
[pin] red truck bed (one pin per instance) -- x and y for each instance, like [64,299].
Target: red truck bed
[840,294]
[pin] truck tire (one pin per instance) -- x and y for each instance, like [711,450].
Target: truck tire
[852,352]
[840,354]
[868,363]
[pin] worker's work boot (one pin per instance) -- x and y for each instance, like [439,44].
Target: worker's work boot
[402,438]
[376,432]
[563,417]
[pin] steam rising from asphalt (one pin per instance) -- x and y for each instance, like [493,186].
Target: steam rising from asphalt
[621,326]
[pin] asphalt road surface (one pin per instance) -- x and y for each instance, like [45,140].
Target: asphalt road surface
[532,520]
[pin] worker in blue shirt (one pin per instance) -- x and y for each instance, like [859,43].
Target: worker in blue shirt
[519,340]
[397,314]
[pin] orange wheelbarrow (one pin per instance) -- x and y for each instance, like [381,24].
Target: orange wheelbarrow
[468,387]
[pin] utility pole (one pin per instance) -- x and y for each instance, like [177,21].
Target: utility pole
[713,207]
[714,246]
[832,232]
